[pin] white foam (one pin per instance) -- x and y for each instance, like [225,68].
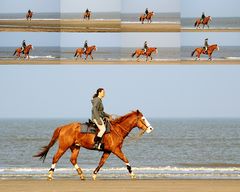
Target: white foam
[43,57]
[159,22]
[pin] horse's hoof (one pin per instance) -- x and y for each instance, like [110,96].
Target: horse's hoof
[133,176]
[50,178]
[94,177]
[82,177]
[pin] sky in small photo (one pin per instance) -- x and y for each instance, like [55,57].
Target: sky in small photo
[213,8]
[220,38]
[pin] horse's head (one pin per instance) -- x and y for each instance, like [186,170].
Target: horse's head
[29,46]
[94,47]
[142,122]
[210,18]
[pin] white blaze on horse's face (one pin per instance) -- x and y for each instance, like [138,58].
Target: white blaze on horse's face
[149,127]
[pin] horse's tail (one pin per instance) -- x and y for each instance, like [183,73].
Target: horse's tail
[45,149]
[15,52]
[195,24]
[193,53]
[140,18]
[75,54]
[134,54]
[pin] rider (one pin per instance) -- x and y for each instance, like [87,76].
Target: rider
[205,44]
[29,11]
[146,11]
[97,116]
[23,46]
[87,11]
[202,17]
[85,46]
[145,47]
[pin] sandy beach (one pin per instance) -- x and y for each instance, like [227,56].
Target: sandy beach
[67,185]
[64,25]
[82,62]
[210,30]
[115,62]
[149,27]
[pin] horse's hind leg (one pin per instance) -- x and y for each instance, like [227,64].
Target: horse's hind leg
[56,157]
[101,163]
[118,152]
[75,151]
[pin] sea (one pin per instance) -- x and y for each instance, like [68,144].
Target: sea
[102,53]
[50,16]
[194,148]
[216,23]
[224,53]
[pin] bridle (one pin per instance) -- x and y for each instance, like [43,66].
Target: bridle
[126,131]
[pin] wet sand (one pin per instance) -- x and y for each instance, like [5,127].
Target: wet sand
[83,62]
[149,27]
[63,25]
[68,185]
[210,30]
[116,62]
[80,25]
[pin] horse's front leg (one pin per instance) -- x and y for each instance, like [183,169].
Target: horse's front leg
[75,151]
[118,152]
[91,57]
[101,163]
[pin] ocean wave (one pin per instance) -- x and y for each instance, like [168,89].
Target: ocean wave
[158,22]
[43,57]
[121,172]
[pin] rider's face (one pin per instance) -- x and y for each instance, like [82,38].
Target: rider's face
[102,93]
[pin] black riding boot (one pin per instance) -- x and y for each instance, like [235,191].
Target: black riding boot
[97,141]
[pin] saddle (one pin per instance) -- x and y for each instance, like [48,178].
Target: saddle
[91,127]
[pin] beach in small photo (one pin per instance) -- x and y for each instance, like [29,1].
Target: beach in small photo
[60,16]
[150,16]
[102,48]
[210,16]
[222,48]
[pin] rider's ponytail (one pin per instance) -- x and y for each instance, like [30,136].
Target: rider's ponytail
[97,92]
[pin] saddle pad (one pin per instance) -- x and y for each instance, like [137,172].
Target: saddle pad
[90,127]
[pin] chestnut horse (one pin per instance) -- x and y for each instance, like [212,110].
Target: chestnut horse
[148,17]
[87,15]
[204,22]
[148,53]
[79,52]
[26,51]
[209,51]
[70,137]
[29,15]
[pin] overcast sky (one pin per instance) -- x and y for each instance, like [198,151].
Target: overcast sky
[214,8]
[139,6]
[93,5]
[22,6]
[158,91]
[220,38]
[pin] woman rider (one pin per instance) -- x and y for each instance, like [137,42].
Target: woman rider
[85,46]
[97,116]
[23,46]
[145,47]
[205,47]
[202,17]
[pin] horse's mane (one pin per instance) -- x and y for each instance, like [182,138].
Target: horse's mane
[122,118]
